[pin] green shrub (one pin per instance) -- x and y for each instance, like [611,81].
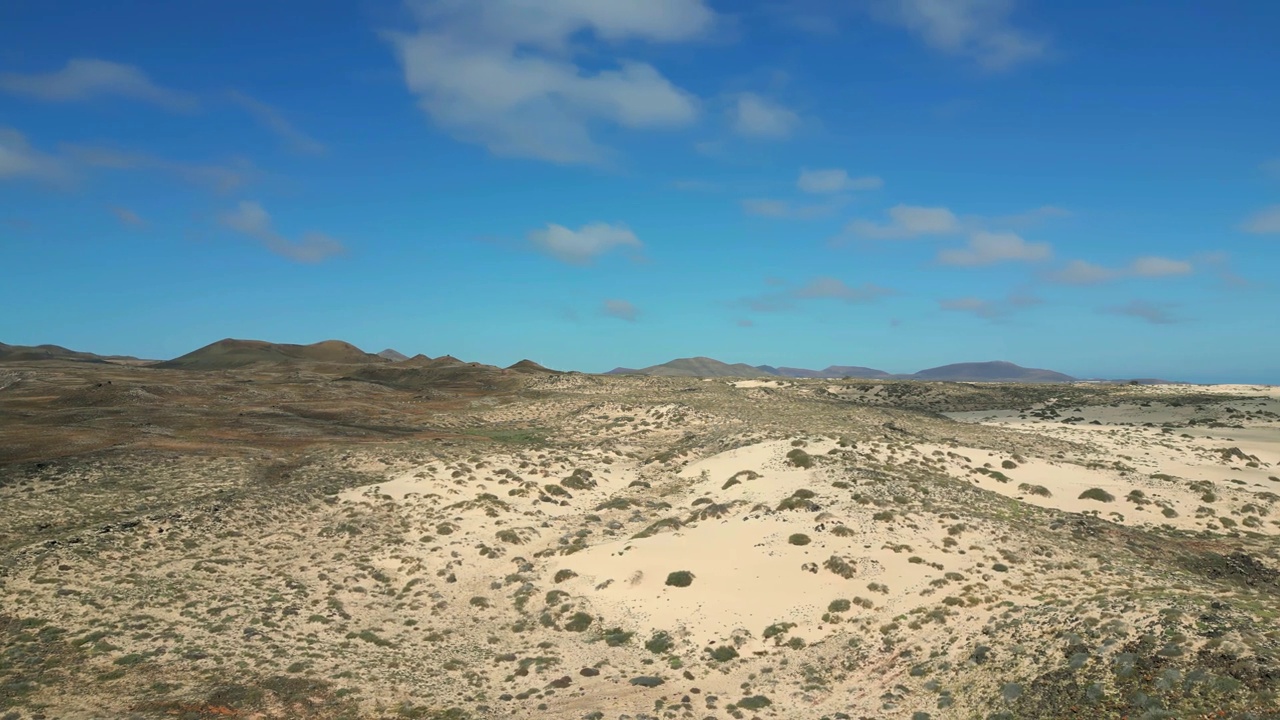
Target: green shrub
[1097,494]
[659,643]
[777,629]
[839,606]
[754,702]
[800,458]
[1030,489]
[680,578]
[565,574]
[840,566]
[799,539]
[1009,465]
[578,622]
[617,636]
[724,653]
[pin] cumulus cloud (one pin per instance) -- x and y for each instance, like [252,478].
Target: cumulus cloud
[977,306]
[907,221]
[835,180]
[1264,222]
[829,287]
[755,116]
[1154,313]
[763,207]
[1080,272]
[128,217]
[272,119]
[990,309]
[821,287]
[584,245]
[976,29]
[501,73]
[90,78]
[1151,266]
[219,177]
[988,248]
[19,160]
[249,218]
[620,309]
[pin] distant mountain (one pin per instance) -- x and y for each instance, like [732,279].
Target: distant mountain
[229,353]
[833,371]
[995,371]
[393,355]
[696,367]
[28,353]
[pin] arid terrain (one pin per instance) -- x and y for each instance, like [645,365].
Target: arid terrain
[318,539]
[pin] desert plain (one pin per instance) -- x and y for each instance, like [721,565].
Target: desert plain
[329,539]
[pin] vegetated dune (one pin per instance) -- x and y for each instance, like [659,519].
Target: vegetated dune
[229,354]
[568,546]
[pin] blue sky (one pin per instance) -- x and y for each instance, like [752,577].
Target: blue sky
[1092,187]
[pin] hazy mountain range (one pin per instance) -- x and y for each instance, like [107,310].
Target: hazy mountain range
[393,367]
[993,371]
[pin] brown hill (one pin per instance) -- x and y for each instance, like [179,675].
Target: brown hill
[230,353]
[29,353]
[533,368]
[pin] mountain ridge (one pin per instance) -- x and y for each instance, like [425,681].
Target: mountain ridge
[986,371]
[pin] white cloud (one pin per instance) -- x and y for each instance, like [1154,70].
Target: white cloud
[1151,266]
[128,217]
[908,221]
[988,248]
[272,119]
[621,309]
[19,160]
[977,306]
[1079,272]
[758,117]
[582,246]
[251,219]
[1264,222]
[835,180]
[89,78]
[500,73]
[1030,217]
[1154,313]
[783,209]
[220,177]
[990,309]
[829,287]
[976,29]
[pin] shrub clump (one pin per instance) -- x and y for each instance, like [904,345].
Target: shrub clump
[1097,494]
[680,578]
[840,566]
[1030,489]
[579,480]
[799,539]
[800,459]
[754,702]
[840,605]
[659,643]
